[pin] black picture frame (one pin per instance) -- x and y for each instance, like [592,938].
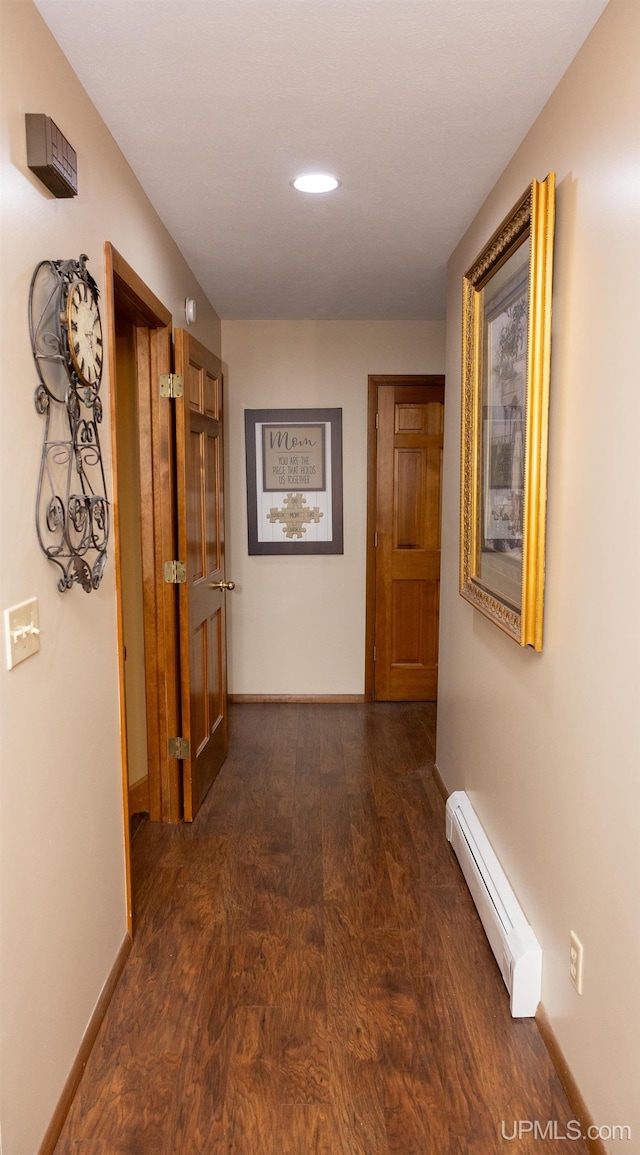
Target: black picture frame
[290,433]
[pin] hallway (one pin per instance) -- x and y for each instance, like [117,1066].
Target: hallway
[308,973]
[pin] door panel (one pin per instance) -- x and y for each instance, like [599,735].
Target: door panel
[201,543]
[408,509]
[407,562]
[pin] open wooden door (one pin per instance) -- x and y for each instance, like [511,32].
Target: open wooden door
[199,469]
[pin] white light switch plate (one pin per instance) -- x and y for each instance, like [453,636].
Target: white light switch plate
[21,632]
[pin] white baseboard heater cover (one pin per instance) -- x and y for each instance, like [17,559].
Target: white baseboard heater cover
[512,940]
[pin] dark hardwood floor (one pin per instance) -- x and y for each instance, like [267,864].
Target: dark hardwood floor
[308,972]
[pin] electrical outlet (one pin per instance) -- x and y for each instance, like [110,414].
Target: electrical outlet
[576,956]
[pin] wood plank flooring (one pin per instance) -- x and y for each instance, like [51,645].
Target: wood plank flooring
[308,974]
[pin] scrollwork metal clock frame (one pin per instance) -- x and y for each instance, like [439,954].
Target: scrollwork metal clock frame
[72,508]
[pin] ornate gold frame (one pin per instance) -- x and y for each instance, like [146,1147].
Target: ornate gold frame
[521,617]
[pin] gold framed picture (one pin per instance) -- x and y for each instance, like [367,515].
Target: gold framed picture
[506,357]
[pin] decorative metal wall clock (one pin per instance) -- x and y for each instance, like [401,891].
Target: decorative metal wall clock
[72,509]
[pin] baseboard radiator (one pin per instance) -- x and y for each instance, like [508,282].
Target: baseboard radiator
[512,940]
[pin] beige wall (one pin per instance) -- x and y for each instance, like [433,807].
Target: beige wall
[62,866]
[296,625]
[548,745]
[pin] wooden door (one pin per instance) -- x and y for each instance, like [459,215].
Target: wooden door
[199,462]
[407,534]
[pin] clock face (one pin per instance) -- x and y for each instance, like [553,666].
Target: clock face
[85,333]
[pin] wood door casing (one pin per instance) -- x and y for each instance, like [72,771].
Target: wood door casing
[199,458]
[129,301]
[128,296]
[407,529]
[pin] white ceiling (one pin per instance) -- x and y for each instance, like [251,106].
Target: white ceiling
[416,105]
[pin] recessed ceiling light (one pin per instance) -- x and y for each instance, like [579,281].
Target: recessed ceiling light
[315,182]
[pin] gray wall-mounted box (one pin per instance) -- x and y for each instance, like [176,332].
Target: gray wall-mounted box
[50,156]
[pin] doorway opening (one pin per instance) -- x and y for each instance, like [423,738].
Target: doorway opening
[139,336]
[167,454]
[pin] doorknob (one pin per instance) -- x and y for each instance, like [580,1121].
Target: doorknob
[222,585]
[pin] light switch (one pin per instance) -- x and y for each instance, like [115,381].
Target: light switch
[21,632]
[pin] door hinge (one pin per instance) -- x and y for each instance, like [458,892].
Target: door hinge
[374,653]
[179,748]
[175,572]
[171,385]
[377,420]
[375,540]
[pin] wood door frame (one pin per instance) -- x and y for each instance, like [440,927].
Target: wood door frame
[376,380]
[127,296]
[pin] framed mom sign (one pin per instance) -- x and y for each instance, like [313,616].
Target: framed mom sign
[294,480]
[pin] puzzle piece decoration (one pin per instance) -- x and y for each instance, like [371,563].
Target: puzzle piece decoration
[296,516]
